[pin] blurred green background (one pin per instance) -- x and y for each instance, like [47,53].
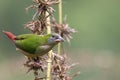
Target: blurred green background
[96,45]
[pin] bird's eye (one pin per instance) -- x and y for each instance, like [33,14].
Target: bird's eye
[53,36]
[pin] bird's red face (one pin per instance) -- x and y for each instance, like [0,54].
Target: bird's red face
[10,35]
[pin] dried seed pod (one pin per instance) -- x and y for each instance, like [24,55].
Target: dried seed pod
[64,29]
[36,26]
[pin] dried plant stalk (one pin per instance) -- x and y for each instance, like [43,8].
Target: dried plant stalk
[60,22]
[60,11]
[49,64]
[49,61]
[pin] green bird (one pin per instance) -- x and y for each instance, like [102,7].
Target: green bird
[32,45]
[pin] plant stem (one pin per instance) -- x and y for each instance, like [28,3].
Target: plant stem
[60,11]
[48,24]
[60,22]
[49,61]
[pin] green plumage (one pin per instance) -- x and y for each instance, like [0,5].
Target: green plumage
[35,45]
[30,42]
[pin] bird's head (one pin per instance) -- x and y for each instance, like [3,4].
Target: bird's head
[55,38]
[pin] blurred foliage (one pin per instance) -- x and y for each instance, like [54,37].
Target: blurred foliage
[96,45]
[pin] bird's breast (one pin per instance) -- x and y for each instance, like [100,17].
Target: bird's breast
[41,50]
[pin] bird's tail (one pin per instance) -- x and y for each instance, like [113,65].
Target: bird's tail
[10,35]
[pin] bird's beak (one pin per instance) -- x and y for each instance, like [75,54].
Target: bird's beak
[60,39]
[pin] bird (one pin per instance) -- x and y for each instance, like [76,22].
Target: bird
[33,45]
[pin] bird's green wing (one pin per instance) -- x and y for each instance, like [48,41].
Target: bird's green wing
[30,42]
